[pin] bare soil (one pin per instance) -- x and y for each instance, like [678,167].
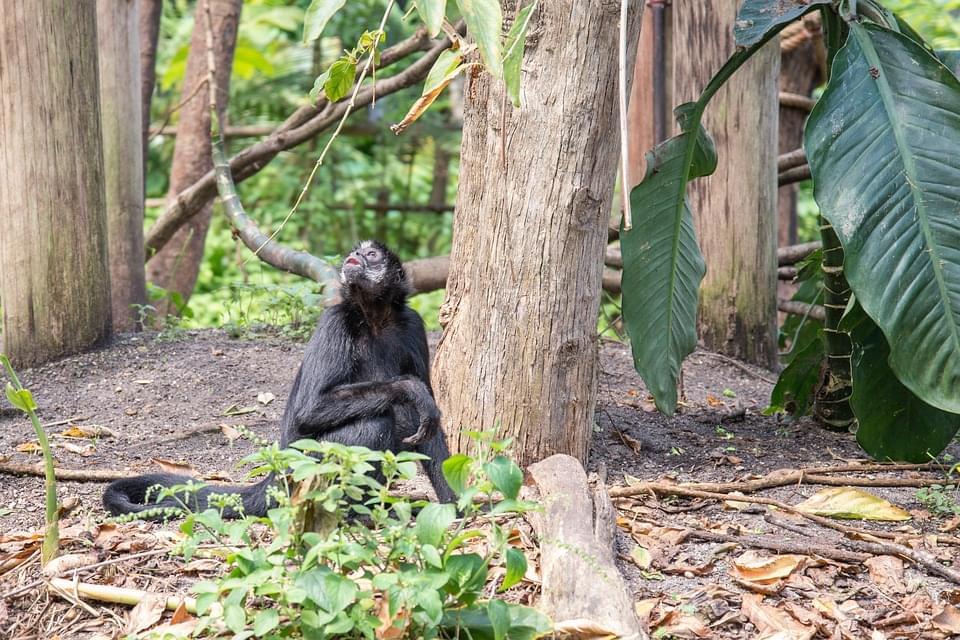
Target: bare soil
[142,388]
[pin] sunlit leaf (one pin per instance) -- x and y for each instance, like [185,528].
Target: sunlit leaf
[317,16]
[432,12]
[850,503]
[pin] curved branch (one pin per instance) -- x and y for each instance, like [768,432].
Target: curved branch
[305,123]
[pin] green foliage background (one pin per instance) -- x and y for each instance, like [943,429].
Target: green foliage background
[273,73]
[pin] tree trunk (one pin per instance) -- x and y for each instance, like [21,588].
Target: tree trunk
[120,113]
[149,30]
[735,209]
[802,59]
[643,99]
[519,347]
[176,266]
[54,278]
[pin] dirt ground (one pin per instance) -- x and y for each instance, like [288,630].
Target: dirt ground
[144,388]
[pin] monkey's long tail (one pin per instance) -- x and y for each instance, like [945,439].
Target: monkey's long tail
[129,495]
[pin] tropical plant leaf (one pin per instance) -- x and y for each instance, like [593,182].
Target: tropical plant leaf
[317,16]
[951,59]
[484,20]
[882,144]
[513,52]
[756,19]
[431,12]
[797,384]
[894,423]
[662,264]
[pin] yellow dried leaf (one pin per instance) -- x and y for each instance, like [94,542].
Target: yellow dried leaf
[29,447]
[642,557]
[849,503]
[761,569]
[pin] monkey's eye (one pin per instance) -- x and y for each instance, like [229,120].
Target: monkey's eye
[372,254]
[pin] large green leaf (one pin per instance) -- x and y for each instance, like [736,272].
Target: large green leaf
[513,52]
[663,265]
[797,384]
[484,20]
[894,423]
[883,147]
[432,12]
[950,58]
[317,16]
[757,18]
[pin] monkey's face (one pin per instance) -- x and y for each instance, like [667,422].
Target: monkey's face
[366,265]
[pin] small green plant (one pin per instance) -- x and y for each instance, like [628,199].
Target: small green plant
[340,556]
[723,433]
[940,500]
[22,399]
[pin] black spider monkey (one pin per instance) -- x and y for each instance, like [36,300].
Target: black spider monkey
[364,380]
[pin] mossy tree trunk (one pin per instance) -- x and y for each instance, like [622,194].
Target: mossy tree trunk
[54,279]
[519,347]
[735,209]
[120,110]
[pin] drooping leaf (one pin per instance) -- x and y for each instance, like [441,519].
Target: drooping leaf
[431,12]
[850,503]
[317,16]
[513,52]
[894,423]
[662,264]
[756,19]
[797,384]
[484,20]
[447,62]
[330,591]
[434,86]
[882,144]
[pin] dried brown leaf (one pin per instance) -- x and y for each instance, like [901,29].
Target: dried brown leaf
[772,622]
[948,620]
[887,572]
[178,468]
[582,629]
[29,447]
[146,614]
[678,624]
[180,614]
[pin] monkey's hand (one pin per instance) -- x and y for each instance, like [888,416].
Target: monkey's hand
[429,414]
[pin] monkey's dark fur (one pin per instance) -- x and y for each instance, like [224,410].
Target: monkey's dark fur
[364,380]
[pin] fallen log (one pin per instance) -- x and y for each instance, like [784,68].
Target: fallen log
[580,580]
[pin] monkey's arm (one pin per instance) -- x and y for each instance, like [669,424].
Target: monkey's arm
[313,415]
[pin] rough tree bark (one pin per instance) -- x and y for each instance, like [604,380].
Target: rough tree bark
[120,112]
[176,265]
[54,279]
[519,345]
[149,30]
[735,209]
